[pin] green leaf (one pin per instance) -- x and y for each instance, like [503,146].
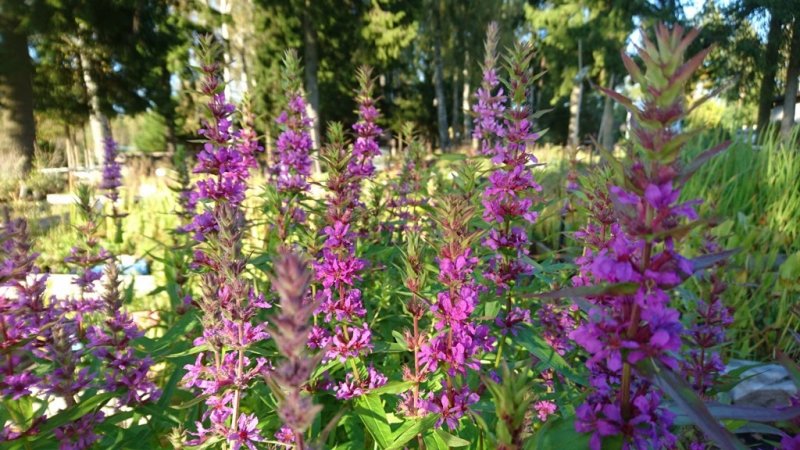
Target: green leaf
[701,159]
[93,402]
[579,293]
[370,410]
[451,440]
[547,354]
[410,429]
[191,351]
[706,261]
[434,442]
[558,433]
[20,411]
[192,402]
[393,387]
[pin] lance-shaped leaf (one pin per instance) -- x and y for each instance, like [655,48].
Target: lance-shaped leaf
[682,75]
[721,411]
[690,403]
[548,356]
[621,99]
[701,159]
[633,69]
[589,291]
[370,410]
[706,261]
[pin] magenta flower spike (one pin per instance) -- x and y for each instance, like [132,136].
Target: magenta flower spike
[503,129]
[634,241]
[112,173]
[459,338]
[291,159]
[347,336]
[229,303]
[365,146]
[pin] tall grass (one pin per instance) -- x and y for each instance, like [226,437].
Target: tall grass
[754,191]
[761,182]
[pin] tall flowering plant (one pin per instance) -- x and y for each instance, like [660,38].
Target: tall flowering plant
[503,129]
[111,182]
[290,329]
[407,190]
[639,251]
[63,347]
[228,301]
[707,332]
[347,337]
[291,164]
[365,147]
[23,312]
[458,338]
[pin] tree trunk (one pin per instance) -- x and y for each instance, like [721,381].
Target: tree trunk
[310,65]
[168,113]
[465,99]
[770,70]
[606,134]
[456,114]
[98,122]
[438,78]
[71,148]
[792,73]
[575,101]
[17,125]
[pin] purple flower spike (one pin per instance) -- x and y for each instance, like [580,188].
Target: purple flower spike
[112,175]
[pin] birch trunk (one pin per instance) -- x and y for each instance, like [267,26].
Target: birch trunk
[792,73]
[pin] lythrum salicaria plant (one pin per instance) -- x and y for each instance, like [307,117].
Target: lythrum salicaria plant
[407,194]
[290,329]
[702,362]
[457,339]
[291,160]
[228,301]
[110,184]
[634,325]
[346,336]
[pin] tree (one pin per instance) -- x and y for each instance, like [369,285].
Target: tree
[792,74]
[438,74]
[580,41]
[770,71]
[17,126]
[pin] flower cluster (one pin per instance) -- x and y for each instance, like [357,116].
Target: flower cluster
[703,363]
[22,309]
[635,322]
[504,131]
[407,194]
[339,269]
[111,343]
[291,158]
[48,347]
[459,339]
[365,146]
[228,302]
[290,331]
[112,174]
[87,256]
[292,164]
